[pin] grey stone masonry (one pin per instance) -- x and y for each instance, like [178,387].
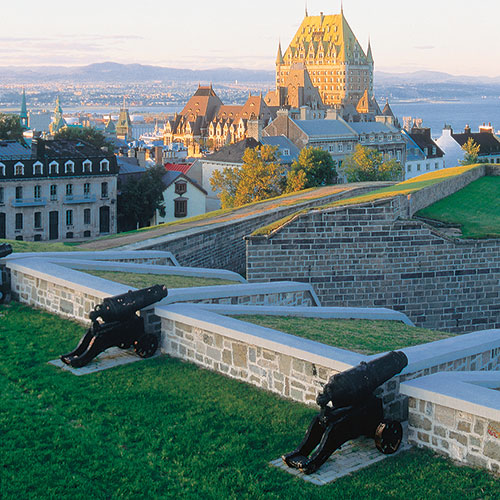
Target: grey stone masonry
[369,256]
[221,246]
[462,436]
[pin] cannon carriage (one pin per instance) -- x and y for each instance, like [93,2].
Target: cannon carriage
[349,409]
[115,323]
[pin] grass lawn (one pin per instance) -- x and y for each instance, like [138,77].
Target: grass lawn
[161,428]
[476,208]
[41,246]
[406,187]
[363,336]
[144,280]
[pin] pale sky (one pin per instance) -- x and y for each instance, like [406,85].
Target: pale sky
[455,36]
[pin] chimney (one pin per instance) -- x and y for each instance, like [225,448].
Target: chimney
[38,148]
[255,129]
[158,155]
[467,129]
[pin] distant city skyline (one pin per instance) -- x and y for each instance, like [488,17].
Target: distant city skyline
[448,35]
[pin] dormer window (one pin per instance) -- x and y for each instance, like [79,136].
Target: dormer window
[104,165]
[434,151]
[69,167]
[19,168]
[38,168]
[2,169]
[53,167]
[87,166]
[181,187]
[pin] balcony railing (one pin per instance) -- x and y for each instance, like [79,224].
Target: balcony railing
[29,202]
[86,198]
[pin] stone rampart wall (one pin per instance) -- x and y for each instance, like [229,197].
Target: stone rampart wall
[222,246]
[368,256]
[287,369]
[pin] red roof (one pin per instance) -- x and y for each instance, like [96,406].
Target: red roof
[178,167]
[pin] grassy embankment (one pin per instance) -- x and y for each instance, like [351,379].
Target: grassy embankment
[476,209]
[171,281]
[403,188]
[161,428]
[363,336]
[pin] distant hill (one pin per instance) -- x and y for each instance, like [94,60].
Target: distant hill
[109,71]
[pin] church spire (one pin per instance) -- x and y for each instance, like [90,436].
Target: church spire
[23,115]
[307,14]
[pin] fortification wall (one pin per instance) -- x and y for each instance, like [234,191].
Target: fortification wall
[369,256]
[222,246]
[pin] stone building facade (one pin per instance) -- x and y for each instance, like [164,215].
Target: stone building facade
[58,190]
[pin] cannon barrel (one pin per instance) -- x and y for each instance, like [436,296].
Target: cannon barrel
[356,384]
[5,249]
[122,306]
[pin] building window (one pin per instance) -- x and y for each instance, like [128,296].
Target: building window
[86,216]
[285,152]
[19,169]
[69,167]
[37,192]
[38,168]
[37,223]
[409,168]
[53,168]
[53,192]
[69,217]
[331,148]
[180,208]
[86,189]
[434,151]
[181,187]
[19,222]
[1,195]
[341,148]
[87,166]
[2,169]
[418,167]
[19,193]
[69,190]
[436,166]
[398,155]
[104,166]
[427,166]
[104,189]
[349,147]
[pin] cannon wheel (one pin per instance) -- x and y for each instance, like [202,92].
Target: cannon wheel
[388,436]
[125,345]
[146,345]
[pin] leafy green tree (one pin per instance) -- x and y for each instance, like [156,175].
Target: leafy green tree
[10,128]
[314,167]
[368,164]
[471,152]
[87,134]
[260,177]
[140,198]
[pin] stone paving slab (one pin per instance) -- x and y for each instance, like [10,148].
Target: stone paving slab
[108,359]
[351,457]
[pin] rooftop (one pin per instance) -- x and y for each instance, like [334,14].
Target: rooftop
[321,128]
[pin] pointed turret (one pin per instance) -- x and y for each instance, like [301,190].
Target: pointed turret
[23,115]
[279,57]
[369,55]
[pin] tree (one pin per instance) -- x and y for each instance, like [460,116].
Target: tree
[471,152]
[314,167]
[86,134]
[10,128]
[260,177]
[368,164]
[139,199]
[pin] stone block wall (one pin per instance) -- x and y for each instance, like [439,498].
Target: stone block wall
[291,376]
[462,436]
[223,246]
[367,256]
[295,298]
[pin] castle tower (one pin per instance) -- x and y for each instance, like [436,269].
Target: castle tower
[337,65]
[23,115]
[124,125]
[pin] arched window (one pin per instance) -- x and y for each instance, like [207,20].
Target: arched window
[69,167]
[87,166]
[18,168]
[53,167]
[104,165]
[38,168]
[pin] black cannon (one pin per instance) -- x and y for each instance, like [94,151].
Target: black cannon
[120,326]
[349,409]
[5,249]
